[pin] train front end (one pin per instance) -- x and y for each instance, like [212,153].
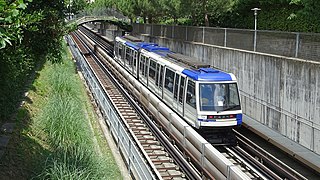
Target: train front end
[219,104]
[218,100]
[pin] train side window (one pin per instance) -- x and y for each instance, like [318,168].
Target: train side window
[176,84]
[191,91]
[152,69]
[141,67]
[135,57]
[157,75]
[169,77]
[116,48]
[120,50]
[127,57]
[146,66]
[181,89]
[143,60]
[161,77]
[233,95]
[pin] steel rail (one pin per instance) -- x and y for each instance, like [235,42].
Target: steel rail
[267,160]
[247,163]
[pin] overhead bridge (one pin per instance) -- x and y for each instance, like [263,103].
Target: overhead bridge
[122,23]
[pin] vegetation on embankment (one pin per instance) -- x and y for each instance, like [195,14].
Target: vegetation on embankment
[56,134]
[30,31]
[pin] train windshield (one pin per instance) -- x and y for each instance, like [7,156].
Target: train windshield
[219,97]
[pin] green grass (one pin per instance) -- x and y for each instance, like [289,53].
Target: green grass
[54,138]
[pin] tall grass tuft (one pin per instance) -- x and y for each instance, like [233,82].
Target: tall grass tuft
[64,123]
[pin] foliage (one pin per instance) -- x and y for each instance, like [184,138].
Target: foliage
[56,135]
[13,20]
[30,31]
[76,6]
[63,123]
[285,15]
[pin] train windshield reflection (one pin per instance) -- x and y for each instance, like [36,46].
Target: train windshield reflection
[219,97]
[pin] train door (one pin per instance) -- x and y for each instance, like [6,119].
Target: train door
[123,54]
[120,51]
[181,93]
[161,80]
[168,86]
[135,63]
[152,75]
[176,91]
[129,59]
[116,49]
[143,69]
[190,102]
[159,77]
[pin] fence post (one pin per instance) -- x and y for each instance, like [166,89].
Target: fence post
[203,35]
[186,33]
[161,30]
[225,37]
[139,28]
[297,44]
[151,33]
[255,40]
[172,33]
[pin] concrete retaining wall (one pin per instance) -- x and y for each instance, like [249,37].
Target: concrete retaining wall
[282,93]
[291,44]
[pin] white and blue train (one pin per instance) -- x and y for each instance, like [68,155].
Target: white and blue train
[203,96]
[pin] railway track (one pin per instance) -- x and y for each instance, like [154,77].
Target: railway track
[157,150]
[253,161]
[256,162]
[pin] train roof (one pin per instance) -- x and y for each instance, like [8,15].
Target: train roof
[200,71]
[132,38]
[208,74]
[139,45]
[190,61]
[156,48]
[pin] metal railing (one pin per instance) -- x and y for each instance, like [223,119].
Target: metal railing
[103,13]
[291,44]
[135,162]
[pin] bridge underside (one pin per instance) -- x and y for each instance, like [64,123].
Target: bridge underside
[122,24]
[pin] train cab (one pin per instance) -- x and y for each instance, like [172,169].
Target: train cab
[212,98]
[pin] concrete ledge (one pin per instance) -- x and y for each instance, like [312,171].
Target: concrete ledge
[289,146]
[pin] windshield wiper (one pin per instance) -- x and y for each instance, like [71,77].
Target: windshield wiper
[229,108]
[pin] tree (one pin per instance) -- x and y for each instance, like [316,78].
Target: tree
[30,31]
[77,5]
[12,21]
[172,9]
[205,12]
